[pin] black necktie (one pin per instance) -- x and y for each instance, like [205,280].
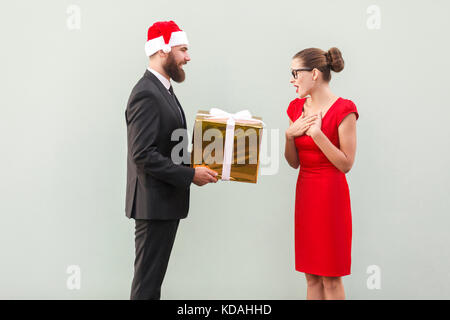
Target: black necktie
[175,101]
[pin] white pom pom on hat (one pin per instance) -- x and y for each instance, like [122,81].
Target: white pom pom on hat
[163,35]
[166,48]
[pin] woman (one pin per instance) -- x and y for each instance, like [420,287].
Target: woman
[321,139]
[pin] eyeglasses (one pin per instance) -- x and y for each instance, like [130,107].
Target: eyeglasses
[294,71]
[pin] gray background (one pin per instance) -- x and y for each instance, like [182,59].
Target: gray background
[63,146]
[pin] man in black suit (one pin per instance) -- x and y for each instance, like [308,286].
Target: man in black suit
[158,182]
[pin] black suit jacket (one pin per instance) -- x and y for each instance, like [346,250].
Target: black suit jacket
[157,188]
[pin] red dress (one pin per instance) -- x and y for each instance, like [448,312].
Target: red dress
[323,219]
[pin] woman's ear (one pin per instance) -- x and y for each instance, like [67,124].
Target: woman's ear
[315,74]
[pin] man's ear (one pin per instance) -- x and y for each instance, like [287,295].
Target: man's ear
[157,54]
[162,54]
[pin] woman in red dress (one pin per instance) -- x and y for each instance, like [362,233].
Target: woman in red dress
[321,139]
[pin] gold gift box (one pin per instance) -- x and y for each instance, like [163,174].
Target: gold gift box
[246,146]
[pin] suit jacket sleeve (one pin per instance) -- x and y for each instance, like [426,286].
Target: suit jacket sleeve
[143,123]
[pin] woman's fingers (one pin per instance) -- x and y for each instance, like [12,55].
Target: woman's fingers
[311,118]
[302,124]
[309,121]
[301,130]
[307,125]
[305,118]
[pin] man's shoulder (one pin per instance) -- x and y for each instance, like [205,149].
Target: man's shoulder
[144,88]
[145,84]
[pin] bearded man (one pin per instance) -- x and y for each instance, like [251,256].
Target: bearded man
[157,192]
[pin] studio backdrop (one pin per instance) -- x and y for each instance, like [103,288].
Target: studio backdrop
[67,69]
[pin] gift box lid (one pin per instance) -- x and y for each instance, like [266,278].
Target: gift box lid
[203,115]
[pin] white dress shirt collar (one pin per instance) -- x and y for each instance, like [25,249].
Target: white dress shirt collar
[161,78]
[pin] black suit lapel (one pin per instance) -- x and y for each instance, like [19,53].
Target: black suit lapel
[165,94]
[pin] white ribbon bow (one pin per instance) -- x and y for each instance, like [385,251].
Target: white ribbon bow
[241,115]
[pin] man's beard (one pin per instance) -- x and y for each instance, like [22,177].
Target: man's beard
[173,70]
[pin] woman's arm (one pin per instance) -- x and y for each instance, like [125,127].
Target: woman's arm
[344,157]
[290,151]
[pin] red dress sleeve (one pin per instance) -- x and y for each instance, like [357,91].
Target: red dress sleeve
[293,110]
[347,108]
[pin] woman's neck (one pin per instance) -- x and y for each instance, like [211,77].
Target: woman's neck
[321,98]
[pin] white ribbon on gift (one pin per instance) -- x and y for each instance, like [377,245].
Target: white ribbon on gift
[244,115]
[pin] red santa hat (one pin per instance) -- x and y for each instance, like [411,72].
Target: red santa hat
[163,35]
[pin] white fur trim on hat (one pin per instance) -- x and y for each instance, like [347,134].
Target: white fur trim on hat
[154,45]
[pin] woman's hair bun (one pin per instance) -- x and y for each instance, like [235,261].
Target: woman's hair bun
[334,59]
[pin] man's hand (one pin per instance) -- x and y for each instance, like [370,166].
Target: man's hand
[204,175]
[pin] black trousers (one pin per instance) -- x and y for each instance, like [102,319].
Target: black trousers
[153,242]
